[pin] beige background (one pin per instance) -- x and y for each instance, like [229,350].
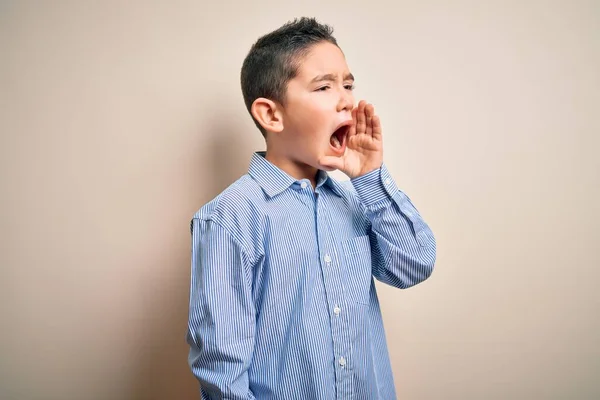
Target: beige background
[118,120]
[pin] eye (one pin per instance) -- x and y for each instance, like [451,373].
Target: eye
[349,87]
[322,88]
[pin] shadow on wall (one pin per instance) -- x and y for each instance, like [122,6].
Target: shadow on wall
[222,156]
[230,152]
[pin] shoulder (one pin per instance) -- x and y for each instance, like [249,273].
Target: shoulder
[351,205]
[346,190]
[237,209]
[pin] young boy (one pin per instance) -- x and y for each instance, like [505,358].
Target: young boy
[283,302]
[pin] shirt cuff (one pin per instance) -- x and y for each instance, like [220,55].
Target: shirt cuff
[375,186]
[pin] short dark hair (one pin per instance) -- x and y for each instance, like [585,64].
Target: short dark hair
[275,58]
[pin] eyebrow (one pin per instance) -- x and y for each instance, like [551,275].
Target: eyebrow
[331,77]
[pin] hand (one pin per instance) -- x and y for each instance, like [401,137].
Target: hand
[364,148]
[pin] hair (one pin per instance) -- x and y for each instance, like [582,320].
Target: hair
[275,58]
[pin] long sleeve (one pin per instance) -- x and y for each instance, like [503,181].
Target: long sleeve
[221,326]
[403,246]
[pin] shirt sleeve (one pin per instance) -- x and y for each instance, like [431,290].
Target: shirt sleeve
[403,246]
[221,321]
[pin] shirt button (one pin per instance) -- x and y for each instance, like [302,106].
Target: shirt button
[342,362]
[303,185]
[388,181]
[327,258]
[337,310]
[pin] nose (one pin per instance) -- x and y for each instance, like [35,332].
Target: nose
[346,101]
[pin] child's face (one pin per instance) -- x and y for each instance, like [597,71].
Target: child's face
[318,101]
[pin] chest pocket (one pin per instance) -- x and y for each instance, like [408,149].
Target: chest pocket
[357,265]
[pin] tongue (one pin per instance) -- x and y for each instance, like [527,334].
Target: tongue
[335,142]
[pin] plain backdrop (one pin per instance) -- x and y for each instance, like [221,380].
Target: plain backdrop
[119,119]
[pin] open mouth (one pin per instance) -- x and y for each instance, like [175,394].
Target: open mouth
[338,137]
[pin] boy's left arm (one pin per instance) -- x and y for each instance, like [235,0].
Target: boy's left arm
[403,246]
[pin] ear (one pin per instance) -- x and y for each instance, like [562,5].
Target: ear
[268,114]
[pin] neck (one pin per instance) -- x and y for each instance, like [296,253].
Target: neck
[293,168]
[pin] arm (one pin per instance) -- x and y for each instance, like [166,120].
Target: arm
[403,246]
[221,316]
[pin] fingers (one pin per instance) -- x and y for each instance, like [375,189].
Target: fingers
[352,130]
[366,121]
[369,112]
[361,119]
[376,127]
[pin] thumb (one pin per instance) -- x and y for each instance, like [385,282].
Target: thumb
[331,163]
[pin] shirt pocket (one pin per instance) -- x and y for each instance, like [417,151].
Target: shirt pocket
[357,267]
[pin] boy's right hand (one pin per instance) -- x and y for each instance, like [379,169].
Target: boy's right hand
[364,150]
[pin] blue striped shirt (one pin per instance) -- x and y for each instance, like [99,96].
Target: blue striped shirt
[283,302]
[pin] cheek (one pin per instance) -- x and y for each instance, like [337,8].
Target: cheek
[311,121]
[319,116]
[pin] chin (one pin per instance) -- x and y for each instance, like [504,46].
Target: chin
[327,169]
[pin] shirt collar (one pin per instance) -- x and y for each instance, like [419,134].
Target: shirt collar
[334,185]
[273,180]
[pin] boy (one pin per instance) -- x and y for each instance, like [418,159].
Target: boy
[283,302]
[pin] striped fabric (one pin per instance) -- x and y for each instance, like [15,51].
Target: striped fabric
[283,303]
